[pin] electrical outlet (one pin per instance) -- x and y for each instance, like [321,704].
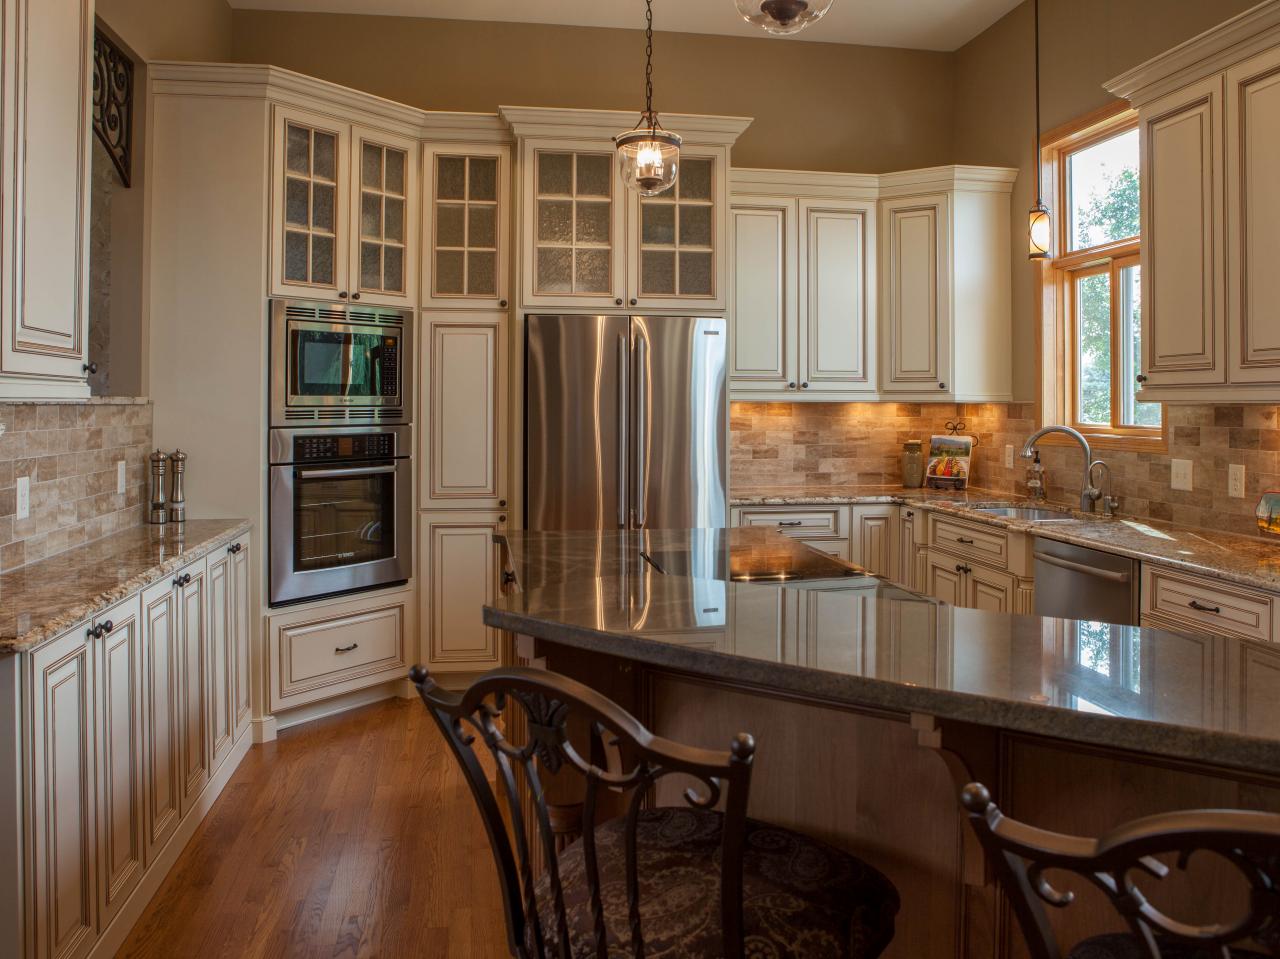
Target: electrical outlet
[1180,474]
[119,476]
[24,497]
[1008,457]
[1235,480]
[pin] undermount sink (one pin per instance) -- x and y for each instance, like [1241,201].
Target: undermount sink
[1023,512]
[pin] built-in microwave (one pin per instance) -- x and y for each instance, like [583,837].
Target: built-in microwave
[335,365]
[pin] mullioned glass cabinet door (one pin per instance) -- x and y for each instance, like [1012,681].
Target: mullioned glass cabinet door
[467,215]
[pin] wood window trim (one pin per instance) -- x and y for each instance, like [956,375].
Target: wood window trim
[1055,326]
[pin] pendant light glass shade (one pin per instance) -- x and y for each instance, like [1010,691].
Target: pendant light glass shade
[782,17]
[1039,232]
[648,159]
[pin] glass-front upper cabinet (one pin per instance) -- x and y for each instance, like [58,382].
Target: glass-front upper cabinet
[466,261]
[384,206]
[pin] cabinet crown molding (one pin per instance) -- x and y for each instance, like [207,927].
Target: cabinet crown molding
[1245,34]
[939,179]
[872,186]
[595,124]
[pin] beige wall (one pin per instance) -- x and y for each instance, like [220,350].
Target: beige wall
[171,29]
[1084,43]
[816,106]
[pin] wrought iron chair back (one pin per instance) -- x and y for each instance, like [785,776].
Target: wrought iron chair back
[1249,841]
[548,702]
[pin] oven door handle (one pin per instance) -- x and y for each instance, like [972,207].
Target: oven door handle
[346,472]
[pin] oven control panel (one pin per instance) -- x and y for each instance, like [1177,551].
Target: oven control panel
[389,363]
[344,446]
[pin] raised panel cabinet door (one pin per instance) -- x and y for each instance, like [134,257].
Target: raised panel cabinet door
[914,294]
[194,685]
[1183,279]
[466,216]
[1253,218]
[465,356]
[462,569]
[988,589]
[1254,693]
[384,217]
[837,300]
[121,756]
[241,634]
[874,536]
[765,336]
[311,248]
[945,580]
[906,569]
[45,302]
[63,800]
[222,665]
[1183,674]
[162,716]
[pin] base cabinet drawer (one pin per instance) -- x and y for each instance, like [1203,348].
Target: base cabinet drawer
[805,521]
[1219,607]
[968,541]
[322,652]
[835,547]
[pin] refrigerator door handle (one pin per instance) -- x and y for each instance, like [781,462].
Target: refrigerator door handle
[624,364]
[639,488]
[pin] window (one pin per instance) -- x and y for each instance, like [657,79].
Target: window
[1092,286]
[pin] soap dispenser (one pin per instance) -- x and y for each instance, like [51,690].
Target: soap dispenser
[1035,479]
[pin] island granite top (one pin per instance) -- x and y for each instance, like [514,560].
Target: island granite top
[42,599]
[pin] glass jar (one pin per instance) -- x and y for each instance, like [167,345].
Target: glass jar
[912,464]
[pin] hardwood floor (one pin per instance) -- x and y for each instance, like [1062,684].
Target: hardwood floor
[350,836]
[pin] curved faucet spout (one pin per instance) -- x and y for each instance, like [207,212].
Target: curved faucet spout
[1088,492]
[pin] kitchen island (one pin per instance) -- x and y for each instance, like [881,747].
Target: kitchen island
[872,705]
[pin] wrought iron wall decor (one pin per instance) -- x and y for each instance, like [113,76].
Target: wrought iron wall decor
[113,102]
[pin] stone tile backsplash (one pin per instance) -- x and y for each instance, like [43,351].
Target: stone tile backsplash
[859,444]
[70,451]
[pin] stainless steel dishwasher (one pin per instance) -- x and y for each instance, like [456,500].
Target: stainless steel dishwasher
[1073,582]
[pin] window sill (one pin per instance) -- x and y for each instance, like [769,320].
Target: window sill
[1125,442]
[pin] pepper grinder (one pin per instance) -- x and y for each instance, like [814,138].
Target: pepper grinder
[178,501]
[159,462]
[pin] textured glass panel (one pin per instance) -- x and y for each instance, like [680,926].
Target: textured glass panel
[297,149]
[451,178]
[321,259]
[393,269]
[554,272]
[370,266]
[449,224]
[593,271]
[482,226]
[371,215]
[296,202]
[393,219]
[593,222]
[322,195]
[371,166]
[295,256]
[326,156]
[555,173]
[695,225]
[555,221]
[449,272]
[695,178]
[482,274]
[695,274]
[657,272]
[484,178]
[658,223]
[594,170]
[395,172]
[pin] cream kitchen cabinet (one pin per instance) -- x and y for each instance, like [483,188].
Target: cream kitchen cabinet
[915,288]
[978,566]
[971,585]
[344,209]
[461,572]
[912,548]
[764,353]
[464,411]
[874,535]
[46,139]
[466,232]
[221,707]
[192,633]
[162,733]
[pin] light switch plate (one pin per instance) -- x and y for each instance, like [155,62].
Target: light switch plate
[1235,480]
[1008,456]
[24,497]
[1180,474]
[119,476]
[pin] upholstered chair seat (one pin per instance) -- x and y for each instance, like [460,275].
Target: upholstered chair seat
[1124,946]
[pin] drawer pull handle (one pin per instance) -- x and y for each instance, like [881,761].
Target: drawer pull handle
[346,649]
[1203,608]
[964,540]
[791,522]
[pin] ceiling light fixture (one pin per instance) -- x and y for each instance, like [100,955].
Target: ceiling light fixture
[782,17]
[1039,224]
[648,155]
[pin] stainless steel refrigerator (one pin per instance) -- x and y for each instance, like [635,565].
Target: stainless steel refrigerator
[626,422]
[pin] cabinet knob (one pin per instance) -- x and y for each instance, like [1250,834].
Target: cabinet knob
[502,303]
[182,580]
[942,386]
[804,386]
[235,548]
[1142,377]
[791,386]
[508,577]
[355,296]
[94,632]
[618,301]
[502,504]
[502,519]
[342,295]
[90,368]
[633,301]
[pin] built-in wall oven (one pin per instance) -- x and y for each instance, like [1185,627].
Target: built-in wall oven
[341,510]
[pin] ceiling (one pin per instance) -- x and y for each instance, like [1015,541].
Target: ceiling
[918,24]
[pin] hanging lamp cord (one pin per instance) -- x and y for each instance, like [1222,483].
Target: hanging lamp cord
[648,64]
[1039,172]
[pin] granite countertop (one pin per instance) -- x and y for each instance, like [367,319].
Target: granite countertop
[1247,560]
[45,598]
[868,644]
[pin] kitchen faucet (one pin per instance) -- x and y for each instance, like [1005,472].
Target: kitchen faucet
[1089,494]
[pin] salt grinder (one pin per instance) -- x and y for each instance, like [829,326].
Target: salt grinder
[178,501]
[159,462]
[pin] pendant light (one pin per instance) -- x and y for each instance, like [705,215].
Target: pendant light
[1039,225]
[782,17]
[648,155]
